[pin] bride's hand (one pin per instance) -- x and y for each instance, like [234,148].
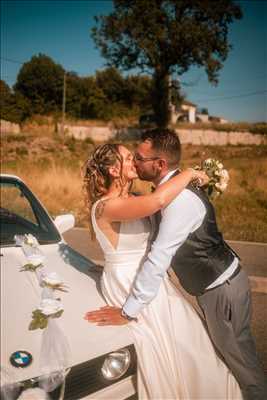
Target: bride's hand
[106,316]
[199,177]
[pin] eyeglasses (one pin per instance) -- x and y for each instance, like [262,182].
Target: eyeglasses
[137,157]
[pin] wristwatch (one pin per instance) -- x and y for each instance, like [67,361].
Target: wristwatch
[126,316]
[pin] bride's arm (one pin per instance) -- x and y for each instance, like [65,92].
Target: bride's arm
[120,209]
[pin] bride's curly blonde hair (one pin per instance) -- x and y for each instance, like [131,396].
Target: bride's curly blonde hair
[96,176]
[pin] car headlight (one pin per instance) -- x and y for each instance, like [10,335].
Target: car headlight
[116,364]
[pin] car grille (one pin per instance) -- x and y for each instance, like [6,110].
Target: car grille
[86,378]
[82,380]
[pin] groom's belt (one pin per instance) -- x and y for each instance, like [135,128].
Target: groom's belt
[234,274]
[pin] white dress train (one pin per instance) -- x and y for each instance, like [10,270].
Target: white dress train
[176,359]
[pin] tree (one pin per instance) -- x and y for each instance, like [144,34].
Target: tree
[84,98]
[14,107]
[204,111]
[41,81]
[138,92]
[5,100]
[166,37]
[176,95]
[112,83]
[74,94]
[124,96]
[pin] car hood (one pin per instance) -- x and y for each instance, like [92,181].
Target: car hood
[21,294]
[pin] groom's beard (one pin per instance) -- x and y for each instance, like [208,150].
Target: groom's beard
[150,176]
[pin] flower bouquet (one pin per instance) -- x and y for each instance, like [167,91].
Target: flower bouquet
[218,175]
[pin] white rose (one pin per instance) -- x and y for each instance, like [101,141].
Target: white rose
[35,259]
[52,278]
[221,186]
[208,162]
[33,394]
[31,240]
[219,165]
[224,176]
[224,182]
[50,306]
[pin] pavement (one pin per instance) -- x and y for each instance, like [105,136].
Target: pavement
[253,260]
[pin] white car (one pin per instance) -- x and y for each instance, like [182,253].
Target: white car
[101,360]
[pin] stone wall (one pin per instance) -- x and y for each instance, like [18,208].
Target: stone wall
[9,127]
[105,133]
[190,136]
[96,133]
[216,138]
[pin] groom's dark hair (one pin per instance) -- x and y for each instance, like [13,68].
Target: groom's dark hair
[165,142]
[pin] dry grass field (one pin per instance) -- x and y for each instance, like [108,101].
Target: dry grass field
[52,169]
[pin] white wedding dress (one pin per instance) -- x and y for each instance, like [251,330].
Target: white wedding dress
[176,359]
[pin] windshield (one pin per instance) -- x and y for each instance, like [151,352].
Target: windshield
[21,213]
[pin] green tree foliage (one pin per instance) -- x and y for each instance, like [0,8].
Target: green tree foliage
[85,99]
[122,96]
[94,100]
[112,84]
[166,37]
[74,94]
[14,107]
[6,100]
[204,111]
[39,90]
[41,81]
[176,95]
[138,91]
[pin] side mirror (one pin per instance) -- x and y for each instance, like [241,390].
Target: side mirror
[64,222]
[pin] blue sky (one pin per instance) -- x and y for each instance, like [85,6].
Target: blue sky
[61,30]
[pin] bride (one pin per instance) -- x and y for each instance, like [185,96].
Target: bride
[176,359]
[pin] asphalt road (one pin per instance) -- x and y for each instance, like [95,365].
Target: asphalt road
[254,261]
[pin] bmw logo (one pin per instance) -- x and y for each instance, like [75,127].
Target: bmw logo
[20,359]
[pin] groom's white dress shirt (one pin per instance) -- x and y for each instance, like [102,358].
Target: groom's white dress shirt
[182,216]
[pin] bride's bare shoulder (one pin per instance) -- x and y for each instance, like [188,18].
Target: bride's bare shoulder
[100,207]
[106,203]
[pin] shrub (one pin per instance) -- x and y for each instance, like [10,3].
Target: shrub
[22,151]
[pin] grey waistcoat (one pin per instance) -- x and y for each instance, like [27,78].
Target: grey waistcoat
[204,256]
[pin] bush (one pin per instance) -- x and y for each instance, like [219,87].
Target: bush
[22,151]
[89,140]
[260,128]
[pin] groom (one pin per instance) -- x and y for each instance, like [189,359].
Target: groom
[188,239]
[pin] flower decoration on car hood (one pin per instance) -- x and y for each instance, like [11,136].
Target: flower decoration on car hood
[49,281]
[50,308]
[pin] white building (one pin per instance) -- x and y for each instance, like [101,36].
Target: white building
[187,113]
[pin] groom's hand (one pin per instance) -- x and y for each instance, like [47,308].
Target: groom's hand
[106,316]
